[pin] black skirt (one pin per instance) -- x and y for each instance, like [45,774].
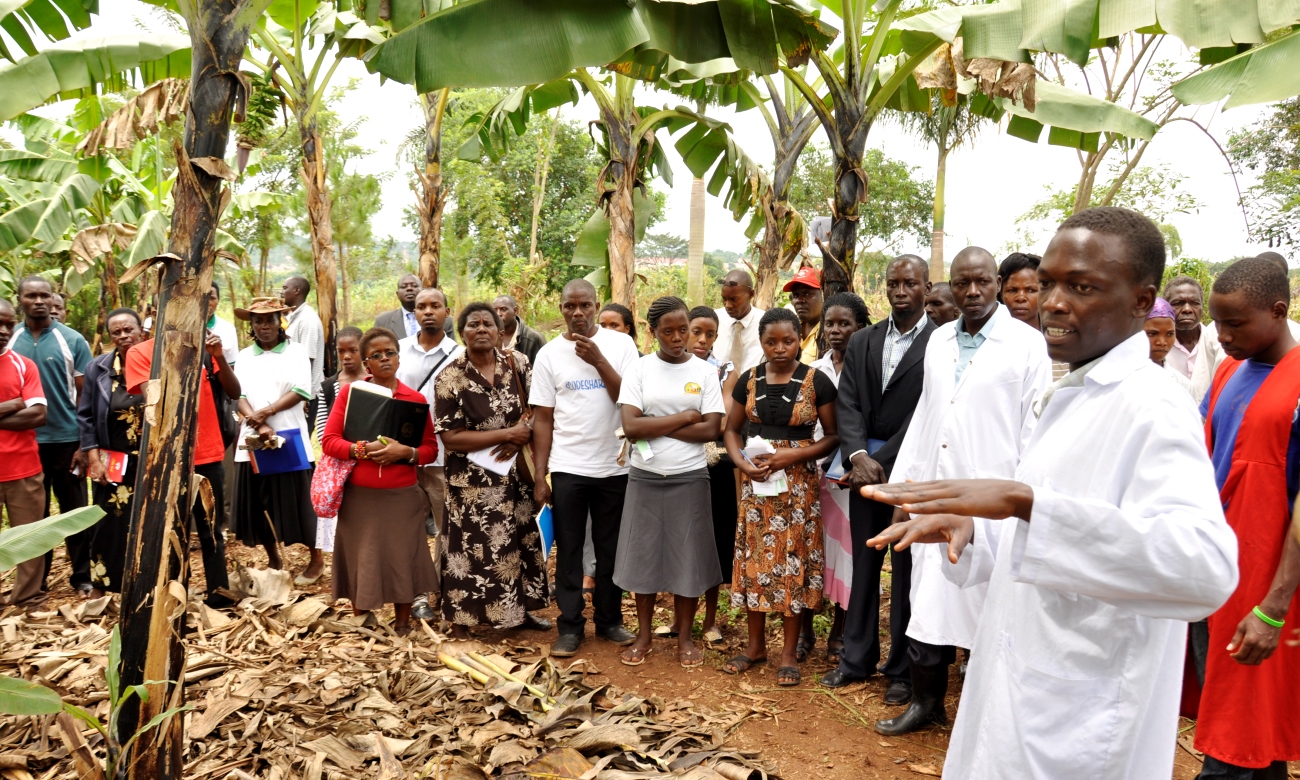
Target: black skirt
[284,499]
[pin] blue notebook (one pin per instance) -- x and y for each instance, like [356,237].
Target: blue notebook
[546,525]
[291,456]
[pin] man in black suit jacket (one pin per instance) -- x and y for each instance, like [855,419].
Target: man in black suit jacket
[879,388]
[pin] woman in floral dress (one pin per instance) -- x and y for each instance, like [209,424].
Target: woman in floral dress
[492,570]
[779,545]
[110,420]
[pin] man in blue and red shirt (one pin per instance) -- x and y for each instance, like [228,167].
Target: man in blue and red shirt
[22,482]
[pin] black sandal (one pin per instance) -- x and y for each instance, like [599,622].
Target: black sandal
[804,647]
[741,664]
[788,676]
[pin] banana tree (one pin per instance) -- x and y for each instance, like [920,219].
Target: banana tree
[299,46]
[515,43]
[156,571]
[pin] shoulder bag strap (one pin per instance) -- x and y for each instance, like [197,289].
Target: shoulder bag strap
[432,371]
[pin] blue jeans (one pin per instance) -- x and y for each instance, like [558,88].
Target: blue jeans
[1215,769]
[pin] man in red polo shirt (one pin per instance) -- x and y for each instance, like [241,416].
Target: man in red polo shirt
[22,483]
[209,453]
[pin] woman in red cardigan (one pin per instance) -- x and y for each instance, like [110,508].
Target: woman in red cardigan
[380,550]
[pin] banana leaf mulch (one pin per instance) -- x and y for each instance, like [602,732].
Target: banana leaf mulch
[286,686]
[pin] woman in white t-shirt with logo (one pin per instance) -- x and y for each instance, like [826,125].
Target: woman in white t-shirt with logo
[671,406]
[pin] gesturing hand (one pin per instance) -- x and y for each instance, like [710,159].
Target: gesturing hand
[996,499]
[955,530]
[212,343]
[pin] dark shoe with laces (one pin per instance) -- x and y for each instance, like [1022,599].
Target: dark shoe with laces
[898,693]
[838,678]
[619,635]
[566,645]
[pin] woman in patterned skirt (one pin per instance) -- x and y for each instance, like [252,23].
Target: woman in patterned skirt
[109,420]
[492,570]
[779,554]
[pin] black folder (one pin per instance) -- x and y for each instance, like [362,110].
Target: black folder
[371,415]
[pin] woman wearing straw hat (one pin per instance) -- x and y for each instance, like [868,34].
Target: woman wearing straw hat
[275,377]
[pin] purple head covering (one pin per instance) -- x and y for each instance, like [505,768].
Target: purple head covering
[1161,309]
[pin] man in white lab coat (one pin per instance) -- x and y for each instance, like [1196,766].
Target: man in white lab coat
[983,373]
[1114,537]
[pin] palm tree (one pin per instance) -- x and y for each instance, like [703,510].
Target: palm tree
[948,125]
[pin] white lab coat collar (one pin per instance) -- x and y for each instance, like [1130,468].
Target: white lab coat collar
[1124,358]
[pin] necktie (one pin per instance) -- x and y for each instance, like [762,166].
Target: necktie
[737,345]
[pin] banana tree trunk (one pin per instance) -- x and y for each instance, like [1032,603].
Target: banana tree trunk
[322,235]
[432,196]
[839,258]
[540,174]
[622,235]
[110,297]
[346,283]
[936,237]
[156,571]
[695,247]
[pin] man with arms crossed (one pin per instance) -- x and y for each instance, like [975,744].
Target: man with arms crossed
[1113,536]
[576,382]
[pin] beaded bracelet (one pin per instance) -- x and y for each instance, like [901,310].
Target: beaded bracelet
[1259,613]
[359,451]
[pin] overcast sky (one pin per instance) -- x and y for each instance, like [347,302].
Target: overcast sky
[989,184]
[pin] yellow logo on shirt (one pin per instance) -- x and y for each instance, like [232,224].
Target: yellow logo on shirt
[692,388]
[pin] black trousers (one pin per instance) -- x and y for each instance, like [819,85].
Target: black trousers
[1214,769]
[722,496]
[70,491]
[573,497]
[925,654]
[211,540]
[862,618]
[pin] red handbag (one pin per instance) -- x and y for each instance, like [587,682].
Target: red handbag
[327,484]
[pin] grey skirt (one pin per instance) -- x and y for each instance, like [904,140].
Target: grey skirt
[665,543]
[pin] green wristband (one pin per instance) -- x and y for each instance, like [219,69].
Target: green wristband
[1259,613]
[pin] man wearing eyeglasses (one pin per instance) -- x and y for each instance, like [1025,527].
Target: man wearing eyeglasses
[738,322]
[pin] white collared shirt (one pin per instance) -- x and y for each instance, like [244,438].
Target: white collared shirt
[896,345]
[304,327]
[414,364]
[753,350]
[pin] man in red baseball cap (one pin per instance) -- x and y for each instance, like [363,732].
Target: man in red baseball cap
[806,299]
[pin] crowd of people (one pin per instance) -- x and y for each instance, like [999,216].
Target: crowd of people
[1021,441]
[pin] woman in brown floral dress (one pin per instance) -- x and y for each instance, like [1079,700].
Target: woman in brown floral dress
[492,570]
[109,420]
[779,546]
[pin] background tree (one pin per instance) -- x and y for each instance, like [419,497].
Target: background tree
[948,124]
[1269,149]
[896,219]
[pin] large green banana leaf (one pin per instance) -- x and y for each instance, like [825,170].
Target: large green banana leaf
[25,542]
[47,219]
[1264,74]
[54,19]
[496,43]
[23,164]
[20,697]
[71,68]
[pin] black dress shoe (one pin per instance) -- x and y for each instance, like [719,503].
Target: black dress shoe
[619,635]
[566,645]
[929,686]
[898,693]
[838,678]
[535,623]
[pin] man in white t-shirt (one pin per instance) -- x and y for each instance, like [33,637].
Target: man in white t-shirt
[576,383]
[738,323]
[420,359]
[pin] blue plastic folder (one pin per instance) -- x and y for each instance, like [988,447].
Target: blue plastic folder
[546,525]
[290,456]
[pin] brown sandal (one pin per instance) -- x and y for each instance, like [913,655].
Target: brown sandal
[741,664]
[634,656]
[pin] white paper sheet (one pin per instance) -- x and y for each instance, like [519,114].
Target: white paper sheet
[776,482]
[485,459]
[325,533]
